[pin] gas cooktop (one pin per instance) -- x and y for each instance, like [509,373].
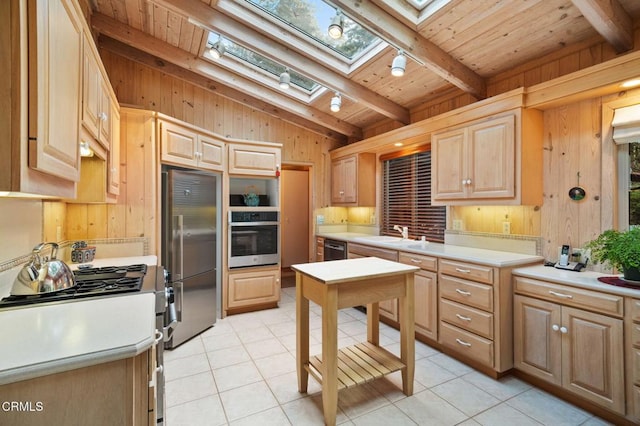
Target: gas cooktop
[90,282]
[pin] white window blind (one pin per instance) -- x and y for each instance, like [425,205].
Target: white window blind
[406,198]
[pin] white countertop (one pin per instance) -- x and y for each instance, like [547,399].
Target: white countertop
[44,339]
[469,254]
[336,271]
[585,279]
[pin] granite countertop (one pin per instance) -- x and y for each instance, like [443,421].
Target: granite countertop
[43,339]
[446,251]
[40,340]
[585,279]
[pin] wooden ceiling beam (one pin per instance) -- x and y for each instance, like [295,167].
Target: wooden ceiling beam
[609,18]
[376,20]
[260,40]
[237,88]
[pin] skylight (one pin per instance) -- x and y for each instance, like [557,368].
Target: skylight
[312,18]
[262,62]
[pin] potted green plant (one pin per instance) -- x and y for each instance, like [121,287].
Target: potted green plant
[620,250]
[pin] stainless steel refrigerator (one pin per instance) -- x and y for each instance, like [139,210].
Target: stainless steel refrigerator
[189,252]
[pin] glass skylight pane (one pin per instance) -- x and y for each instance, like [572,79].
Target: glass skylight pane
[312,18]
[262,62]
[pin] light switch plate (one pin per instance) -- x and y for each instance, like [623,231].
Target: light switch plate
[457,225]
[506,227]
[320,219]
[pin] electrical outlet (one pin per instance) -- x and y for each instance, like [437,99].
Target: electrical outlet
[457,225]
[320,219]
[506,227]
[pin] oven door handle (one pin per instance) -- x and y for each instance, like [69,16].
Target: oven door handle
[254,223]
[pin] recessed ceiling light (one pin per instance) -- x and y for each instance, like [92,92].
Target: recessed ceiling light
[631,83]
[397,144]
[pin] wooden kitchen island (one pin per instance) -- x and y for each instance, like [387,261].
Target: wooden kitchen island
[341,284]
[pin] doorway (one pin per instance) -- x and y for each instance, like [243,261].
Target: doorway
[294,221]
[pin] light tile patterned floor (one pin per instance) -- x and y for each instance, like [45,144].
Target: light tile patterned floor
[242,372]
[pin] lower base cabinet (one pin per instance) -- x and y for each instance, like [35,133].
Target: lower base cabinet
[247,289]
[578,350]
[113,393]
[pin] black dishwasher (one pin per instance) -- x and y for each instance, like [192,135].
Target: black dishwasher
[334,250]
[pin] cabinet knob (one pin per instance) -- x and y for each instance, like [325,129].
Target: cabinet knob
[103,116]
[564,330]
[555,327]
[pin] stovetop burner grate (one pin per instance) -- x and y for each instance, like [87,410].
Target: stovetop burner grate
[90,282]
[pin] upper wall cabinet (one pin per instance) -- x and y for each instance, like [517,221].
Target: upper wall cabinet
[353,180]
[497,160]
[55,55]
[96,99]
[187,146]
[254,159]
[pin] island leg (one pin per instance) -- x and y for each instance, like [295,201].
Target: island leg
[330,355]
[302,335]
[373,323]
[407,334]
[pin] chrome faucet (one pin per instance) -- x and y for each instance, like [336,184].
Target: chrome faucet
[403,230]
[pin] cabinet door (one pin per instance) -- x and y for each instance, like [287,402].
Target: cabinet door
[105,114]
[491,159]
[91,90]
[349,179]
[426,302]
[178,144]
[253,288]
[337,182]
[113,171]
[253,160]
[536,345]
[211,153]
[389,309]
[55,61]
[449,179]
[592,355]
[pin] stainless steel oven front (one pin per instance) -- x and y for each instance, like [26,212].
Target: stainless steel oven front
[254,238]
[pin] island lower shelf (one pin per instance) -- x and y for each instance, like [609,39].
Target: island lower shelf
[357,364]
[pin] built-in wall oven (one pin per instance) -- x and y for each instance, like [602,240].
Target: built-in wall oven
[254,238]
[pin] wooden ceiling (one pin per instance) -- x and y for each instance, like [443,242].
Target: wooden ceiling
[456,48]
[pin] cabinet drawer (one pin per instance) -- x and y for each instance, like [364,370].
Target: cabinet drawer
[634,308]
[474,320]
[467,292]
[469,271]
[367,251]
[571,296]
[424,262]
[468,344]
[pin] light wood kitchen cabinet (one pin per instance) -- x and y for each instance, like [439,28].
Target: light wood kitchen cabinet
[187,146]
[353,180]
[489,161]
[388,308]
[253,288]
[54,93]
[632,349]
[572,338]
[319,249]
[113,162]
[475,314]
[113,393]
[425,293]
[254,159]
[97,111]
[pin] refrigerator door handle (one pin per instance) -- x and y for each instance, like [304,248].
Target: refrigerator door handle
[178,287]
[180,255]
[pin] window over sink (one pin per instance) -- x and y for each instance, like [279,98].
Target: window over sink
[406,196]
[629,184]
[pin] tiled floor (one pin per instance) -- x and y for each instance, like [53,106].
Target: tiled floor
[242,372]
